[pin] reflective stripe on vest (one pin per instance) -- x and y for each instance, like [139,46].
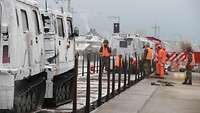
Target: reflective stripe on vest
[149,54]
[105,52]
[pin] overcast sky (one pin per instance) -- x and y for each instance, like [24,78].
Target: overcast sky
[176,18]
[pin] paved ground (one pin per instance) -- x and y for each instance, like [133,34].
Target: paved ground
[130,101]
[178,99]
[144,98]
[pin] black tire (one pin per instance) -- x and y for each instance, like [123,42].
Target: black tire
[23,104]
[17,106]
[33,101]
[63,93]
[57,94]
[28,106]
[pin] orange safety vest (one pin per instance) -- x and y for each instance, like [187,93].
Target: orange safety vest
[105,52]
[161,56]
[117,62]
[149,53]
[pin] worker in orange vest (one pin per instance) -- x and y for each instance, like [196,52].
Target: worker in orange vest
[118,63]
[161,61]
[165,59]
[105,52]
[148,52]
[156,60]
[189,66]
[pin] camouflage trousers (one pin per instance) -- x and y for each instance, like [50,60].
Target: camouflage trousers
[105,63]
[188,76]
[147,68]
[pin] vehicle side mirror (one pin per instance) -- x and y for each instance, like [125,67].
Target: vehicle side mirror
[76,31]
[4,29]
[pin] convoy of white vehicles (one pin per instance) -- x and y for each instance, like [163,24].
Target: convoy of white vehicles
[37,54]
[129,44]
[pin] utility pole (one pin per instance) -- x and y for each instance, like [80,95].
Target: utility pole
[65,5]
[46,5]
[116,23]
[156,31]
[115,18]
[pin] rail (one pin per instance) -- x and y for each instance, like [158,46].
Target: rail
[94,65]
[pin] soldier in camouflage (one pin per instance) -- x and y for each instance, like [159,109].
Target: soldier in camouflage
[189,66]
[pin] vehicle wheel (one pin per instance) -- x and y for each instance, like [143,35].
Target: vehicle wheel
[56,94]
[18,108]
[28,106]
[59,94]
[33,101]
[17,105]
[63,93]
[23,104]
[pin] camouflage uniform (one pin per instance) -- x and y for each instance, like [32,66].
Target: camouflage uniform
[188,70]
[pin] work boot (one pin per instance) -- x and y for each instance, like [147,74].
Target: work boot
[184,82]
[190,82]
[149,76]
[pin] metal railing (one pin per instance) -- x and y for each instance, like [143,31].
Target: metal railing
[96,62]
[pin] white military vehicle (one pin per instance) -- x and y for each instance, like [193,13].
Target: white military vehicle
[128,44]
[59,54]
[36,55]
[22,72]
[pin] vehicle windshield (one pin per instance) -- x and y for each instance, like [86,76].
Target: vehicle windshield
[123,44]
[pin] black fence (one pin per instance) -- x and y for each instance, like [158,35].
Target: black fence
[93,63]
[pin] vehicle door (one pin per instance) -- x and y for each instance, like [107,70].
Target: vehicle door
[37,43]
[26,35]
[61,40]
[71,41]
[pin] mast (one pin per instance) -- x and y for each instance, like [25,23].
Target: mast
[46,5]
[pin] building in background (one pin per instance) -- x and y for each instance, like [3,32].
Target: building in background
[89,43]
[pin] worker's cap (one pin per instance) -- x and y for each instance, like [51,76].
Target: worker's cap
[147,44]
[159,46]
[105,41]
[120,55]
[189,48]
